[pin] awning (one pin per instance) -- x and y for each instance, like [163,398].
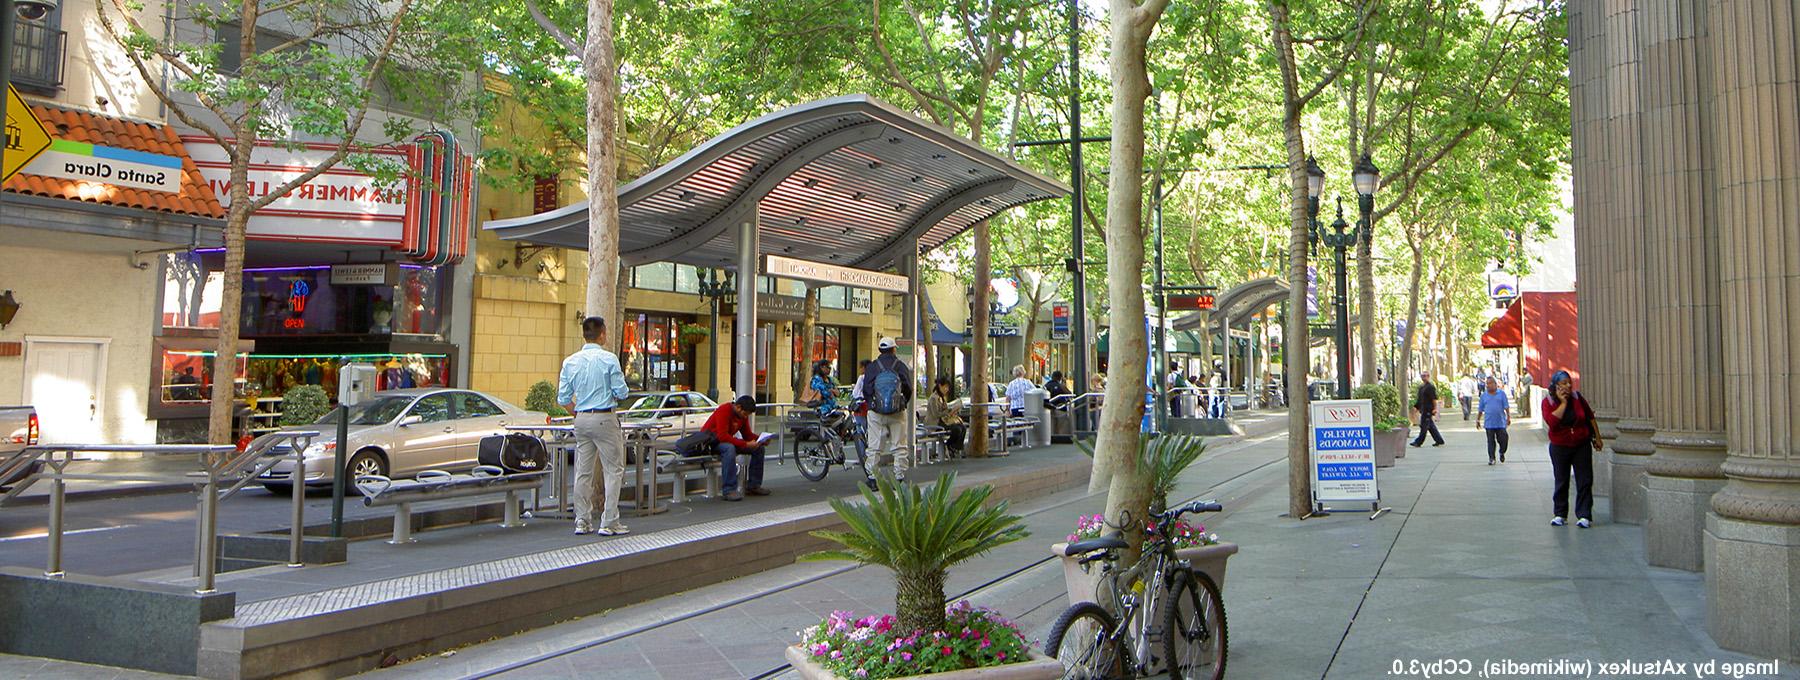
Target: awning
[1186,342]
[1504,332]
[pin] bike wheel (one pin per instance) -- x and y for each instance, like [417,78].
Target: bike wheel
[813,459]
[1079,639]
[1194,633]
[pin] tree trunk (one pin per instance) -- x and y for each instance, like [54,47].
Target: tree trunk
[809,324]
[601,74]
[231,302]
[1295,343]
[919,600]
[978,373]
[1404,371]
[1116,460]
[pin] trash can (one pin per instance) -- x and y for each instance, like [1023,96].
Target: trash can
[1037,406]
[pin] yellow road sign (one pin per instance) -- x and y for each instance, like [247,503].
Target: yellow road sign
[25,135]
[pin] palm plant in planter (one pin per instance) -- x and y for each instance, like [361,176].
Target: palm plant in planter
[918,532]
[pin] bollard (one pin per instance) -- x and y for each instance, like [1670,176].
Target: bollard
[512,511]
[209,530]
[297,533]
[54,568]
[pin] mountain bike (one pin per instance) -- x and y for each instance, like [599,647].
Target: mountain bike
[821,441]
[1119,639]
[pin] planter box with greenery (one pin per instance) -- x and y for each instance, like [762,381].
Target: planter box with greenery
[304,405]
[919,532]
[1390,423]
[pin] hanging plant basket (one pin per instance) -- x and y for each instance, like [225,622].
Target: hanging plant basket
[692,334]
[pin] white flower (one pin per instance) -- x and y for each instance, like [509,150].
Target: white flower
[1213,537]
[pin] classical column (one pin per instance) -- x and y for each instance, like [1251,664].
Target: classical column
[1752,539]
[1687,384]
[1587,110]
[1629,356]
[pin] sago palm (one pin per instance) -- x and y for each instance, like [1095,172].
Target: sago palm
[919,533]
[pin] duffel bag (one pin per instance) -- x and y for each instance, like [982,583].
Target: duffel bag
[696,444]
[514,452]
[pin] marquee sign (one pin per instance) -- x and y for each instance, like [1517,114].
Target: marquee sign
[341,205]
[787,267]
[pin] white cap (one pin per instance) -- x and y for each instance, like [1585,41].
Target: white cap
[885,344]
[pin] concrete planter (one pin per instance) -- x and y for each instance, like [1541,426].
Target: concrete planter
[1392,443]
[1389,445]
[1208,559]
[1034,667]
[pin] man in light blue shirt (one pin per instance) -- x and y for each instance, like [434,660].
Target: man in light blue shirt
[1496,414]
[590,386]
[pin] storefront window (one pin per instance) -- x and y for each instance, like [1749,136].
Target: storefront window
[827,345]
[666,276]
[191,294]
[280,301]
[654,358]
[419,302]
[185,377]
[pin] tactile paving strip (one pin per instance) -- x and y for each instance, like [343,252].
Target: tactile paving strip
[366,594]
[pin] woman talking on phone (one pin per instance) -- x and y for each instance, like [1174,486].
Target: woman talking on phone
[1574,438]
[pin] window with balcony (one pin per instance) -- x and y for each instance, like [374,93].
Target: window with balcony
[38,49]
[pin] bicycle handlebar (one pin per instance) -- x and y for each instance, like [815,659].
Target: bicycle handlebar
[1195,507]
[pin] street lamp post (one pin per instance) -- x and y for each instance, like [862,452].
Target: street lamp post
[1366,177]
[715,288]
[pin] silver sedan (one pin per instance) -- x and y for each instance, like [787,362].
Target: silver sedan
[400,433]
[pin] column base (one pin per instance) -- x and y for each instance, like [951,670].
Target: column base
[1603,476]
[1628,487]
[1753,586]
[1676,510]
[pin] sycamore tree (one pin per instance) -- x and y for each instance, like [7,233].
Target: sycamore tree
[288,72]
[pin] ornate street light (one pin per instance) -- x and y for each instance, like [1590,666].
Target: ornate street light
[1367,178]
[715,287]
[1315,186]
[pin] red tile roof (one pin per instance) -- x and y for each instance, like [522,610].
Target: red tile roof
[196,197]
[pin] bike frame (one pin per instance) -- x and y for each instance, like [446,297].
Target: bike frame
[1153,569]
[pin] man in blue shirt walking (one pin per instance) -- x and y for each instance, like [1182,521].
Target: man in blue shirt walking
[1496,414]
[590,386]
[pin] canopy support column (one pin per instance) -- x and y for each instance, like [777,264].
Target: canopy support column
[911,329]
[744,334]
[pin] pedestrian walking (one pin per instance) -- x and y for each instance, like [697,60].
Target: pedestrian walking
[1466,392]
[887,387]
[1496,414]
[1574,437]
[1427,406]
[590,386]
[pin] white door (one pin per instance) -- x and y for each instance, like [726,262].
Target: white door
[62,380]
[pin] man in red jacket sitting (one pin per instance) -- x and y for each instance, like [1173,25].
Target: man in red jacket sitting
[730,424]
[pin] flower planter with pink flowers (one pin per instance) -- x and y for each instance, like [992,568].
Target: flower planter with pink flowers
[1204,551]
[976,643]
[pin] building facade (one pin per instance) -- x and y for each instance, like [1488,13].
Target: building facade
[1687,174]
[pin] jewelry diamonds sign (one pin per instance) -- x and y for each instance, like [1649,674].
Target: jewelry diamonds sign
[1343,451]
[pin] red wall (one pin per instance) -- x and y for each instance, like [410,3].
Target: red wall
[1552,336]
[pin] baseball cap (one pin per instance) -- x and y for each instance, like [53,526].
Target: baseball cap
[886,343]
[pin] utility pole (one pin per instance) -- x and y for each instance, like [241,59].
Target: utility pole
[1077,273]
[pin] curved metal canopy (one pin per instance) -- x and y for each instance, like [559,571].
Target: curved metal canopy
[849,180]
[1240,300]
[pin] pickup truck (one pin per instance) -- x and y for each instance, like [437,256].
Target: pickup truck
[18,429]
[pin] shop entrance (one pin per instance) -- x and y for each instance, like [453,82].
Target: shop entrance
[63,377]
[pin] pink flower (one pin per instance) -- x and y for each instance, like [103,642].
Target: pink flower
[1000,657]
[986,644]
[836,654]
[862,673]
[821,648]
[906,656]
[946,650]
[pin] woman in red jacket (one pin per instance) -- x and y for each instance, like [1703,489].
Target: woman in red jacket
[1573,440]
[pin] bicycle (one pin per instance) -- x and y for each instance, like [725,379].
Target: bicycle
[820,444]
[1096,642]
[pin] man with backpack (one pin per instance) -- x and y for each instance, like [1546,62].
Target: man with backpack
[887,387]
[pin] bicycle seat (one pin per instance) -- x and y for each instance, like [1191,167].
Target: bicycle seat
[1093,544]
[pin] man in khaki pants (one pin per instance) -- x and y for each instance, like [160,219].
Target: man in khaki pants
[590,386]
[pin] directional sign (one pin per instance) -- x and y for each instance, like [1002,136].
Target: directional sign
[25,135]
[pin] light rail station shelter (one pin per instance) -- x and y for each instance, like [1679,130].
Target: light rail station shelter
[844,191]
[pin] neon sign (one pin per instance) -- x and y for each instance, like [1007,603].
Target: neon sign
[298,293]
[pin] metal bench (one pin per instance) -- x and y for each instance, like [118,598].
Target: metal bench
[1012,426]
[933,444]
[433,485]
[680,467]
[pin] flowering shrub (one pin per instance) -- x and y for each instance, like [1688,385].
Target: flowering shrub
[872,647]
[1184,535]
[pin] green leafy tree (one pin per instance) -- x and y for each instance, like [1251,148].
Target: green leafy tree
[919,532]
[290,72]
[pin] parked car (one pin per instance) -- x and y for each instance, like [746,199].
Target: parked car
[400,433]
[681,411]
[20,427]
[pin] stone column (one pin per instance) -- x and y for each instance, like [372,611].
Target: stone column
[1587,110]
[1687,385]
[1752,537]
[1628,392]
